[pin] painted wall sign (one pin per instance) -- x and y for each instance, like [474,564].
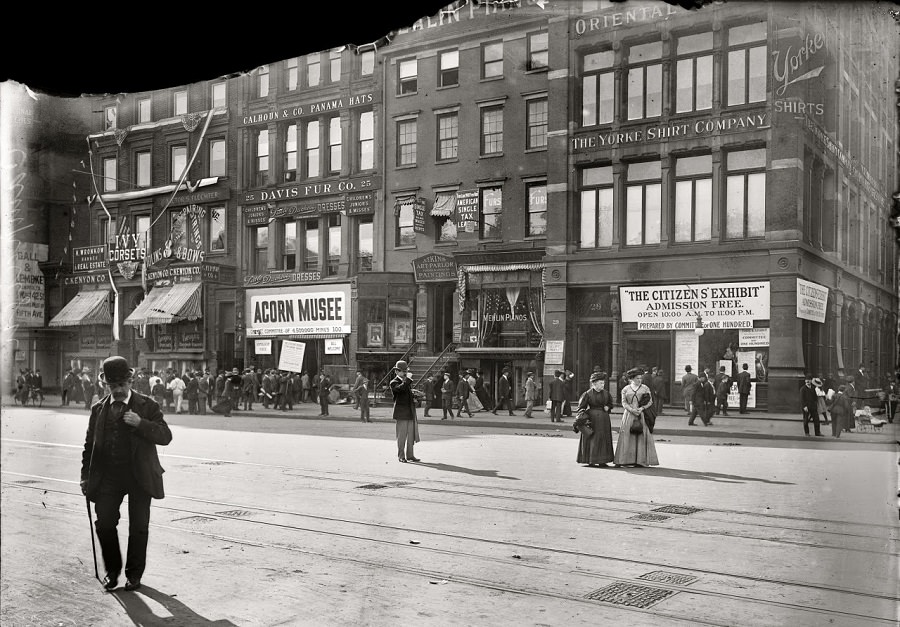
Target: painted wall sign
[472,10]
[275,278]
[656,11]
[360,204]
[88,258]
[322,106]
[86,279]
[792,65]
[205,196]
[29,284]
[812,300]
[277,311]
[295,192]
[434,267]
[676,307]
[680,130]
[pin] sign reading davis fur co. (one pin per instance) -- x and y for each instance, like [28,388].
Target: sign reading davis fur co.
[676,307]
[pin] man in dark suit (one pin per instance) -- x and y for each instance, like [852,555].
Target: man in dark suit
[404,412]
[703,401]
[324,391]
[743,383]
[120,458]
[504,393]
[557,395]
[810,405]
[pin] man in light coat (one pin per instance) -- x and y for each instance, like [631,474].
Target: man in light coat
[530,394]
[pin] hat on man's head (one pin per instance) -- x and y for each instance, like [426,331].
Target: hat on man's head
[116,370]
[817,382]
[505,369]
[556,373]
[401,365]
[597,376]
[529,374]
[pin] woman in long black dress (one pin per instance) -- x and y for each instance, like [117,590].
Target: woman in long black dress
[595,404]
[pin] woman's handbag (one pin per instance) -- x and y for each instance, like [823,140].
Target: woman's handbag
[586,429]
[582,424]
[637,426]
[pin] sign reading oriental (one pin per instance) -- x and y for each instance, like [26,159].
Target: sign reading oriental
[676,307]
[430,268]
[298,311]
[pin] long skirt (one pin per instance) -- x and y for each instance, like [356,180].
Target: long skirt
[474,403]
[598,448]
[635,448]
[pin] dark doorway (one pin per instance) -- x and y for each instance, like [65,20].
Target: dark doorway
[442,316]
[593,348]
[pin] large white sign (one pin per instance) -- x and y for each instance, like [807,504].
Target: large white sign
[29,278]
[263,347]
[291,359]
[687,351]
[676,307]
[298,310]
[334,347]
[812,300]
[734,399]
[753,338]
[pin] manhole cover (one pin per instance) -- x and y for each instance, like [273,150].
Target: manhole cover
[649,517]
[194,519]
[372,486]
[217,463]
[677,509]
[630,594]
[234,512]
[661,576]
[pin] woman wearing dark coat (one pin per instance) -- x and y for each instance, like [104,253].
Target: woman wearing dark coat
[841,412]
[594,406]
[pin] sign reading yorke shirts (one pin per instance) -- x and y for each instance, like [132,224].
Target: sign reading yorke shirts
[812,301]
[298,310]
[676,307]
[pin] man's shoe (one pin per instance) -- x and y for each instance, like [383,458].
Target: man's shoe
[401,459]
[132,584]
[110,581]
[413,459]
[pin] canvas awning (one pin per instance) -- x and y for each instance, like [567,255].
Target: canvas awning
[88,307]
[164,305]
[444,204]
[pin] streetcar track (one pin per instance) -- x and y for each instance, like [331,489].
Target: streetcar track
[514,545]
[493,585]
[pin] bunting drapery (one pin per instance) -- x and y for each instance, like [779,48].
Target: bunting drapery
[536,309]
[489,304]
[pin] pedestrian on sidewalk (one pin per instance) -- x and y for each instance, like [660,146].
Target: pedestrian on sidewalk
[324,391]
[688,386]
[191,385]
[841,411]
[821,401]
[462,395]
[658,387]
[304,387]
[557,395]
[635,449]
[481,391]
[119,459]
[530,394]
[595,449]
[248,389]
[504,393]
[87,387]
[361,391]
[67,387]
[236,389]
[810,405]
[704,401]
[447,396]
[286,394]
[723,387]
[429,394]
[744,387]
[405,412]
[177,386]
[202,391]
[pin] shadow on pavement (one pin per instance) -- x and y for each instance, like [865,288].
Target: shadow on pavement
[181,615]
[468,471]
[677,473]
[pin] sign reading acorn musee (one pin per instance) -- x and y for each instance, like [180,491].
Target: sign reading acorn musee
[676,307]
[298,310]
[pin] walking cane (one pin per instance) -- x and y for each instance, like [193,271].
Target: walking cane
[87,502]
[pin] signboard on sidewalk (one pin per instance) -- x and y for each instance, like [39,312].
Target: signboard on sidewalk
[291,359]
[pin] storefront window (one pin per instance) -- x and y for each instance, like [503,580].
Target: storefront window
[372,317]
[503,317]
[400,322]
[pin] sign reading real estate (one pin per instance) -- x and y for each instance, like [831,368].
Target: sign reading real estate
[676,307]
[291,358]
[812,301]
[298,310]
[88,258]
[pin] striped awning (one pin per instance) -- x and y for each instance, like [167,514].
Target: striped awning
[444,204]
[88,307]
[165,305]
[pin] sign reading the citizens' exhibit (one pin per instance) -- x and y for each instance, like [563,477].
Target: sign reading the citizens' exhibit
[676,307]
[291,358]
[434,267]
[88,258]
[812,301]
[753,338]
[298,311]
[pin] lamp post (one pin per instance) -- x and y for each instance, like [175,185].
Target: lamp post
[698,327]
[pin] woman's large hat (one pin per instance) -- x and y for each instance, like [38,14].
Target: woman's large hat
[598,376]
[631,374]
[116,370]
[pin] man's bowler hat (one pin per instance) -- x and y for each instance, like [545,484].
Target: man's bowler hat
[116,370]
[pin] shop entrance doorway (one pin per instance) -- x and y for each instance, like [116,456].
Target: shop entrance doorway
[648,351]
[442,316]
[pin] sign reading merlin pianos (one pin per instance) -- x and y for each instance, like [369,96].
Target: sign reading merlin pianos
[676,307]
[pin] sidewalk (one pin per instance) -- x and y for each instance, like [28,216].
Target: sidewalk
[673,421]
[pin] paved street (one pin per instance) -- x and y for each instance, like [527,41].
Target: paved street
[297,520]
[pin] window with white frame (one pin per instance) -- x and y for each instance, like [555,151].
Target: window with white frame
[492,130]
[367,63]
[537,116]
[144,110]
[693,199]
[694,72]
[747,62]
[407,76]
[538,51]
[109,117]
[289,245]
[217,164]
[260,235]
[536,194]
[292,73]
[445,225]
[643,203]
[313,69]
[448,73]
[596,210]
[334,145]
[290,153]
[407,134]
[262,81]
[366,140]
[261,165]
[491,212]
[334,63]
[333,246]
[110,174]
[365,244]
[106,233]
[218,95]
[492,59]
[406,234]
[745,194]
[310,245]
[180,102]
[142,230]
[598,88]
[142,167]
[177,162]
[645,80]
[448,135]
[311,149]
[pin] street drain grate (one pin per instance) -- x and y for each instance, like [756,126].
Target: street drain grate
[235,513]
[630,594]
[677,509]
[372,486]
[661,576]
[194,519]
[649,517]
